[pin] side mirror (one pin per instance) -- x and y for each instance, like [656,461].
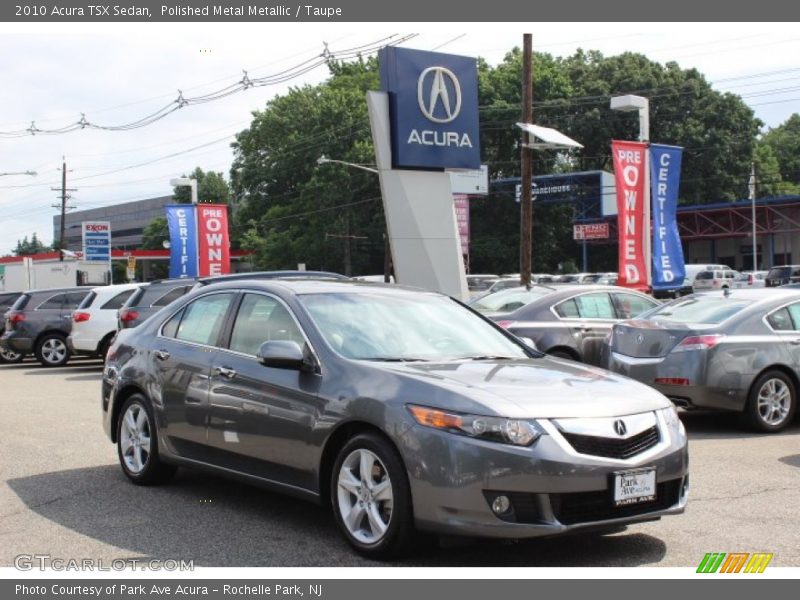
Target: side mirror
[529,343]
[285,354]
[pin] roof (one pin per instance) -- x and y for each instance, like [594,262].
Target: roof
[322,286]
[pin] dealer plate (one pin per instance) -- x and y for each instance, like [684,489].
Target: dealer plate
[634,487]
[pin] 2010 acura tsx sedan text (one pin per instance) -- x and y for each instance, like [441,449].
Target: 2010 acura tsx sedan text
[404,410]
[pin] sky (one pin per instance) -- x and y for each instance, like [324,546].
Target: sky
[118,73]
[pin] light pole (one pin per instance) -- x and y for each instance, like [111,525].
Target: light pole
[31,173]
[186,182]
[641,105]
[387,252]
[751,188]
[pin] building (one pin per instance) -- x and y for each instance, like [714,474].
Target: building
[128,221]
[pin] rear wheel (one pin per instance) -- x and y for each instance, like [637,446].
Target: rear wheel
[9,356]
[772,402]
[371,497]
[52,351]
[137,444]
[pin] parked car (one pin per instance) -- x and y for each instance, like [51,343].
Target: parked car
[574,321]
[150,298]
[478,284]
[403,410]
[733,351]
[506,301]
[750,280]
[273,275]
[582,278]
[782,275]
[40,321]
[6,302]
[686,287]
[94,322]
[716,279]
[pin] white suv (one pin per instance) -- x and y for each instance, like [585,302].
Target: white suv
[94,322]
[716,279]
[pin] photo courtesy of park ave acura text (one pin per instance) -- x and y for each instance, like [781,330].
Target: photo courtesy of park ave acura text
[282,289]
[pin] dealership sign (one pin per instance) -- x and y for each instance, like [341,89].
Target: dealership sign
[182,240]
[665,173]
[199,244]
[591,231]
[212,226]
[96,237]
[630,172]
[433,108]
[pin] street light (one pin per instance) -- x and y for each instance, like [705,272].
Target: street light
[324,159]
[632,103]
[183,182]
[31,173]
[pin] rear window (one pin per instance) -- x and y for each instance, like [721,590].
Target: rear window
[779,272]
[171,296]
[117,301]
[703,310]
[508,300]
[73,299]
[87,302]
[21,302]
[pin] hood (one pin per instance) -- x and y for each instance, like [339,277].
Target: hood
[544,388]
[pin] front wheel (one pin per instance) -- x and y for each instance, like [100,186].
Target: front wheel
[772,402]
[137,444]
[371,497]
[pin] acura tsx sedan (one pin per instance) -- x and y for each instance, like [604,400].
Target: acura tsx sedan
[403,410]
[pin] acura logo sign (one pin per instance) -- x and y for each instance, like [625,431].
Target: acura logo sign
[619,427]
[433,93]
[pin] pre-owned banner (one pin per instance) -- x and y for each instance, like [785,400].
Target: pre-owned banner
[665,175]
[212,227]
[630,174]
[183,240]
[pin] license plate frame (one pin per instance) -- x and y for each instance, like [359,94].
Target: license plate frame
[633,486]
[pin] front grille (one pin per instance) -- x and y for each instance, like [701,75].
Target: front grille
[586,507]
[613,447]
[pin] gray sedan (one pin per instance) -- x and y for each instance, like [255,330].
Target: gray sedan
[737,350]
[402,410]
[575,321]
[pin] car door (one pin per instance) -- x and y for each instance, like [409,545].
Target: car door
[596,316]
[261,418]
[792,337]
[180,360]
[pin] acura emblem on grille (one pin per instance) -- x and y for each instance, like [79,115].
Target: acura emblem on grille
[619,427]
[639,338]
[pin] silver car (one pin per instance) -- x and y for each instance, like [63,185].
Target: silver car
[737,350]
[402,410]
[574,321]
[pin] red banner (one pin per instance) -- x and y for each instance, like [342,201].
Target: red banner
[214,247]
[630,168]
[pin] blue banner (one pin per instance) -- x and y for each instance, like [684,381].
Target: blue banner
[182,221]
[669,269]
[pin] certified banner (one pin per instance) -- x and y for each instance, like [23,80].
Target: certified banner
[212,227]
[630,174]
[665,175]
[183,240]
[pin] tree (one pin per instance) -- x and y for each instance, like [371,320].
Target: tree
[34,246]
[211,187]
[784,142]
[155,234]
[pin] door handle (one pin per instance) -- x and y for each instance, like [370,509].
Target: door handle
[226,372]
[795,342]
[161,354]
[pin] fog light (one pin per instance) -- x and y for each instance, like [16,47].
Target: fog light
[501,504]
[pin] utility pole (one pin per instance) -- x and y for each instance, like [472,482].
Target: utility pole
[63,206]
[347,237]
[526,208]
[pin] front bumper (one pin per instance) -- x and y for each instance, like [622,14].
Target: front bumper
[553,489]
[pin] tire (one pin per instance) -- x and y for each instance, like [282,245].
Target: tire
[52,350]
[102,350]
[9,357]
[389,530]
[137,444]
[772,402]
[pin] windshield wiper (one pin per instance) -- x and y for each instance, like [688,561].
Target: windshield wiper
[487,357]
[394,359]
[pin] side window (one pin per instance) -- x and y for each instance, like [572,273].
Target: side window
[780,320]
[630,305]
[795,273]
[117,301]
[73,299]
[794,312]
[203,319]
[53,303]
[172,295]
[261,319]
[567,309]
[595,306]
[170,328]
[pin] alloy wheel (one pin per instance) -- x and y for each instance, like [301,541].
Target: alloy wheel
[774,401]
[9,355]
[135,438]
[365,496]
[54,350]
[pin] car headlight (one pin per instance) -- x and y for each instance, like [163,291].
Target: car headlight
[672,420]
[519,432]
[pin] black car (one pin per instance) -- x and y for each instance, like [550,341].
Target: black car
[150,298]
[40,322]
[7,301]
[782,275]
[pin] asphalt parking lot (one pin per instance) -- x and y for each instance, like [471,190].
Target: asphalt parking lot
[63,494]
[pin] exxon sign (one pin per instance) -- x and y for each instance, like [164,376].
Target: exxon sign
[433,105]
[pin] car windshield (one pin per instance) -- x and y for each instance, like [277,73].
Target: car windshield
[508,300]
[383,327]
[699,310]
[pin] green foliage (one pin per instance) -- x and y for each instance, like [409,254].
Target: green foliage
[211,188]
[32,246]
[155,234]
[784,144]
